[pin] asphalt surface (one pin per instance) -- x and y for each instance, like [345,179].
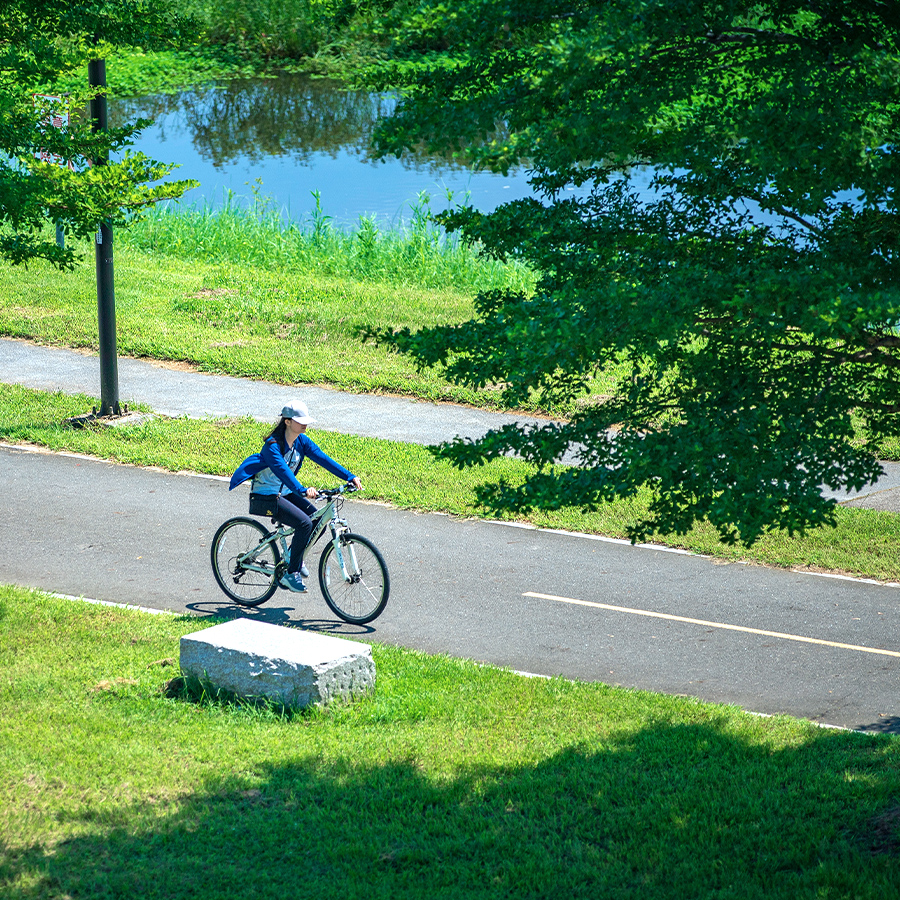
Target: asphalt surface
[768,640]
[178,391]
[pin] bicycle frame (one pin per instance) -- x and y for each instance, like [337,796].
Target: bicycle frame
[326,515]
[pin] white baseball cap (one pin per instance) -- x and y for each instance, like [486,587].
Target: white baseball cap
[297,411]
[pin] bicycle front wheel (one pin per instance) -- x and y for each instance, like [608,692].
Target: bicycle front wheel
[356,592]
[245,567]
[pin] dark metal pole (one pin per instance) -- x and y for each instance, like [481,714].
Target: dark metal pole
[103,249]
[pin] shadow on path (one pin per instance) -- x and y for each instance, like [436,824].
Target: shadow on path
[278,615]
[885,725]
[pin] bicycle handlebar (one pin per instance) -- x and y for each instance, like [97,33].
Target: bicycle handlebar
[328,493]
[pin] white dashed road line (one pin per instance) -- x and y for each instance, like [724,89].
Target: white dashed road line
[706,624]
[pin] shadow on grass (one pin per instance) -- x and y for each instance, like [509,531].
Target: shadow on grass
[674,811]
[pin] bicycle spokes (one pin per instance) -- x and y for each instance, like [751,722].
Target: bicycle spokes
[354,578]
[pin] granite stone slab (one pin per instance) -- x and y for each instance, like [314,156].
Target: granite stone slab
[286,665]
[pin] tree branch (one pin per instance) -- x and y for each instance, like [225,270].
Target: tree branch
[787,213]
[867,357]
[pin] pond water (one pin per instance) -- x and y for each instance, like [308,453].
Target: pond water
[289,136]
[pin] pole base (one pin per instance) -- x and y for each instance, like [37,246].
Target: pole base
[93,418]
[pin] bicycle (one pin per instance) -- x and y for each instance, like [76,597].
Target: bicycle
[248,561]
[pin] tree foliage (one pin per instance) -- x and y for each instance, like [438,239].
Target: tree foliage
[47,174]
[717,211]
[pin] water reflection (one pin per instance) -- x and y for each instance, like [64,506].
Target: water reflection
[297,134]
[292,116]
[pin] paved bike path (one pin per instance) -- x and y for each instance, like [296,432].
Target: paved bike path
[544,602]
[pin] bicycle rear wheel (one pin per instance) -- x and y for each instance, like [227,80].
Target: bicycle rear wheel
[245,568]
[364,596]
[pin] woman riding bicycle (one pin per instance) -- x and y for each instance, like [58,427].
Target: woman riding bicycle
[274,473]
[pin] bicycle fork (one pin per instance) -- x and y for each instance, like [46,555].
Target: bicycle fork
[345,553]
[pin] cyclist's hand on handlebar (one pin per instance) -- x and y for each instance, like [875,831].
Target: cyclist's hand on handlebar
[311,493]
[356,483]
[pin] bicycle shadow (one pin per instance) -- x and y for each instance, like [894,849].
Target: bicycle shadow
[277,615]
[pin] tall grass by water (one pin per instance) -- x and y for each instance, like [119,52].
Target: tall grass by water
[254,232]
[289,29]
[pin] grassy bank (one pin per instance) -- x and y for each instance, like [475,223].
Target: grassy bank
[326,32]
[235,292]
[253,38]
[137,73]
[452,779]
[286,326]
[863,544]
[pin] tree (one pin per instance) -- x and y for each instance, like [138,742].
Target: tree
[42,44]
[730,248]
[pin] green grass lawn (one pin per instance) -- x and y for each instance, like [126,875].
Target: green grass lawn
[450,780]
[864,543]
[222,318]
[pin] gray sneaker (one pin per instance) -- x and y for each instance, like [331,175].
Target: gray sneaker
[303,570]
[293,582]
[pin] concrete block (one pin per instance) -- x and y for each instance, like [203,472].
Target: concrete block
[292,667]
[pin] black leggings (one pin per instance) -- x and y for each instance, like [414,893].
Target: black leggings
[295,510]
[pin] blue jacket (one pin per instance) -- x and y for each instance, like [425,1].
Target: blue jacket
[272,457]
